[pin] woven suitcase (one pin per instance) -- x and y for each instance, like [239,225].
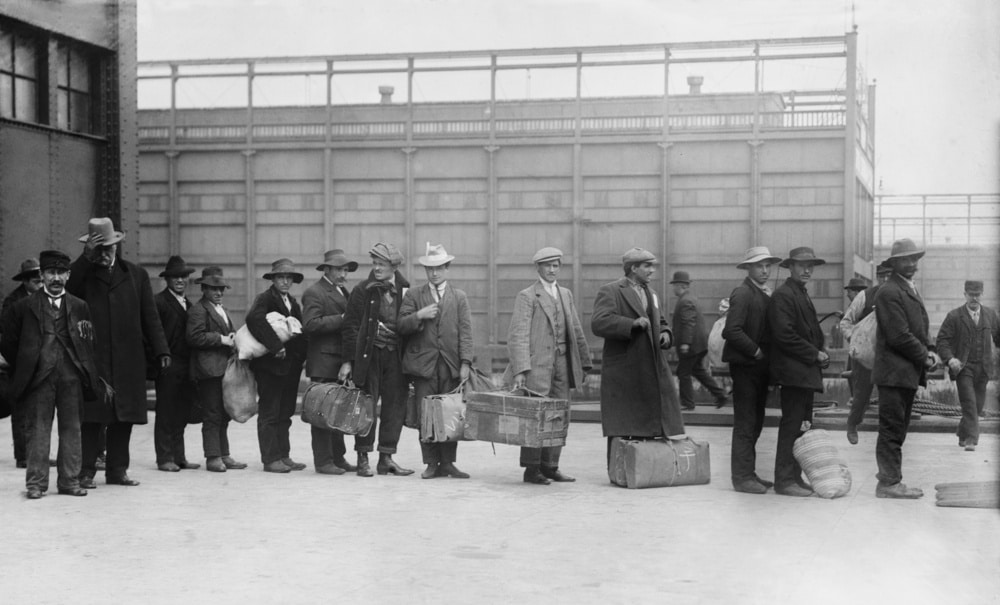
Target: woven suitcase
[818,457]
[329,405]
[641,463]
[525,420]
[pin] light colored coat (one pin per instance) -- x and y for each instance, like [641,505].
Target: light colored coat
[449,335]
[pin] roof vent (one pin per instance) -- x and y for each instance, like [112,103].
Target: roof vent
[386,92]
[695,82]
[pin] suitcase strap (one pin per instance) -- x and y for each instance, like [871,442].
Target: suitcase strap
[687,455]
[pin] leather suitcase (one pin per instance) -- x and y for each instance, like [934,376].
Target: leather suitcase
[329,405]
[525,420]
[442,418]
[637,463]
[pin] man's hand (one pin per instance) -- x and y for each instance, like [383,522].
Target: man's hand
[954,365]
[345,372]
[95,241]
[428,312]
[86,329]
[229,340]
[519,380]
[641,323]
[823,359]
[758,354]
[464,372]
[932,361]
[281,353]
[164,361]
[666,340]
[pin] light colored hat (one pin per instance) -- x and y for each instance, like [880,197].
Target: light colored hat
[337,258]
[387,252]
[638,255]
[435,256]
[29,268]
[104,227]
[547,254]
[284,266]
[903,248]
[756,255]
[802,254]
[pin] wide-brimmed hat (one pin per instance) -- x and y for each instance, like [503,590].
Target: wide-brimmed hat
[903,248]
[638,255]
[387,252]
[53,259]
[176,267]
[974,286]
[29,268]
[802,254]
[756,255]
[435,256]
[102,226]
[680,277]
[856,283]
[284,266]
[547,254]
[212,276]
[336,258]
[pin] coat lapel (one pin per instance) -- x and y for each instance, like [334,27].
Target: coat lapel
[547,303]
[632,298]
[216,319]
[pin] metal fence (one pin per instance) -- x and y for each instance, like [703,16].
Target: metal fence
[939,220]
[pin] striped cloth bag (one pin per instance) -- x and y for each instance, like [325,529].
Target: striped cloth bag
[827,473]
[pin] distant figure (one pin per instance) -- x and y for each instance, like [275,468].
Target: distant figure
[31,281]
[692,344]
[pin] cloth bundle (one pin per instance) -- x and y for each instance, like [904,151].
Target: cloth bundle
[863,340]
[239,390]
[716,343]
[247,347]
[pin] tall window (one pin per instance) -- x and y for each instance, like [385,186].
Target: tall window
[74,93]
[19,67]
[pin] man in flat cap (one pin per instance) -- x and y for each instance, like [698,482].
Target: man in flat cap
[797,360]
[31,281]
[176,397]
[548,353]
[638,397]
[438,324]
[692,344]
[965,343]
[902,361]
[862,305]
[324,305]
[126,325]
[278,371]
[48,340]
[746,352]
[373,355]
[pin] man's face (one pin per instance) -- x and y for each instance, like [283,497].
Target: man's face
[679,288]
[852,294]
[32,285]
[972,300]
[905,266]
[643,272]
[437,275]
[336,275]
[105,255]
[548,270]
[760,272]
[801,272]
[177,285]
[214,293]
[382,269]
[55,280]
[283,282]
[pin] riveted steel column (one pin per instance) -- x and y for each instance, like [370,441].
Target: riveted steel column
[173,205]
[250,265]
[755,142]
[327,162]
[492,312]
[577,208]
[850,156]
[665,184]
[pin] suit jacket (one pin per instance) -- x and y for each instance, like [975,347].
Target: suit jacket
[203,333]
[796,338]
[266,302]
[955,337]
[531,338]
[448,336]
[746,325]
[323,309]
[689,326]
[173,318]
[361,322]
[15,295]
[901,338]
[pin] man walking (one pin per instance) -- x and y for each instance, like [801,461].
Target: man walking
[692,344]
[31,281]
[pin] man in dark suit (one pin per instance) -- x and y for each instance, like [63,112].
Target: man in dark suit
[797,360]
[323,306]
[746,351]
[692,344]
[31,281]
[965,343]
[438,324]
[278,371]
[175,392]
[902,361]
[48,341]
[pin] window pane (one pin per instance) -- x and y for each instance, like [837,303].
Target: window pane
[6,50]
[79,71]
[24,56]
[80,108]
[62,65]
[25,100]
[6,97]
[62,111]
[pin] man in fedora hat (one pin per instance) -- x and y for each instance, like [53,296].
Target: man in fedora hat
[278,371]
[48,341]
[860,381]
[797,360]
[323,307]
[965,343]
[902,361]
[745,351]
[31,281]
[211,338]
[438,323]
[126,325]
[548,353]
[692,344]
[373,354]
[176,397]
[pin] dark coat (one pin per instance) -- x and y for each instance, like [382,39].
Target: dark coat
[361,322]
[638,395]
[15,295]
[746,325]
[689,326]
[901,337]
[796,338]
[323,308]
[203,333]
[126,324]
[173,318]
[266,302]
[955,337]
[449,335]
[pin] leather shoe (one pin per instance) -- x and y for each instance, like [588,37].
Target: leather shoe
[188,466]
[970,445]
[232,464]
[432,470]
[215,465]
[793,489]
[448,469]
[121,479]
[87,482]
[533,474]
[852,434]
[688,407]
[721,402]
[169,467]
[101,463]
[276,467]
[364,469]
[344,464]
[295,466]
[750,486]
[898,490]
[72,491]
[34,493]
[387,465]
[330,469]
[764,482]
[557,476]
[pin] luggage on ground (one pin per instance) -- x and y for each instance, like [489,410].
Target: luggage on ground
[640,463]
[527,419]
[818,457]
[343,407]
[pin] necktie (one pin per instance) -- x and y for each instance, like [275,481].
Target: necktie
[440,293]
[54,302]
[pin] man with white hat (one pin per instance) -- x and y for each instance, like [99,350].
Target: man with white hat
[31,281]
[548,353]
[438,323]
[745,351]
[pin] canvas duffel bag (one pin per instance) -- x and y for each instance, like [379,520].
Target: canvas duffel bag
[335,406]
[640,463]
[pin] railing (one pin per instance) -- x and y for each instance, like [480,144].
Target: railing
[946,219]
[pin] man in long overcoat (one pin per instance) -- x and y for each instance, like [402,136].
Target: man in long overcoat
[31,281]
[797,357]
[692,344]
[638,397]
[124,316]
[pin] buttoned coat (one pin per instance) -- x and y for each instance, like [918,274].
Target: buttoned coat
[746,324]
[361,322]
[173,318]
[323,311]
[531,340]
[955,336]
[689,326]
[126,324]
[638,395]
[796,338]
[447,336]
[901,337]
[269,301]
[203,333]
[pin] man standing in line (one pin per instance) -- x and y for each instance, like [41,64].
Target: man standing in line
[323,307]
[125,323]
[746,351]
[797,360]
[902,361]
[548,353]
[438,324]
[692,344]
[964,343]
[31,281]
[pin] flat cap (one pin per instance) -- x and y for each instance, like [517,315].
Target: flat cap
[547,254]
[387,252]
[974,286]
[638,255]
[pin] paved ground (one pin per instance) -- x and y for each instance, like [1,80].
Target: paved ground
[248,537]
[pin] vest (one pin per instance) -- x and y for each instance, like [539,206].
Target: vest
[976,344]
[56,343]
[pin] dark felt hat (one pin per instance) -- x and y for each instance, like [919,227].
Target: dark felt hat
[284,266]
[856,283]
[974,286]
[337,258]
[680,277]
[802,254]
[905,247]
[176,267]
[29,268]
[212,276]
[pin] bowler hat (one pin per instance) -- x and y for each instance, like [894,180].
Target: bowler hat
[212,276]
[547,254]
[856,283]
[903,248]
[176,267]
[756,255]
[103,227]
[680,277]
[387,252]
[337,258]
[53,259]
[802,254]
[638,255]
[29,268]
[974,286]
[435,256]
[284,266]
